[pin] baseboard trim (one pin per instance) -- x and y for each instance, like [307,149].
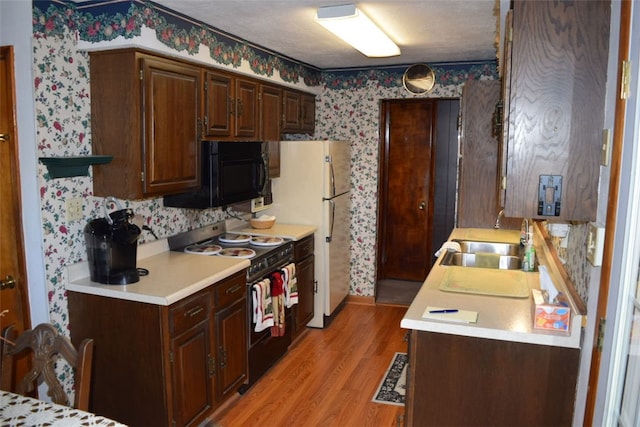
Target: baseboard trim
[362,300]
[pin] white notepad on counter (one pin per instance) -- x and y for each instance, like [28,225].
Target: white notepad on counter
[460,316]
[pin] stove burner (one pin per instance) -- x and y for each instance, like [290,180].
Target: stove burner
[237,253]
[234,238]
[206,248]
[266,241]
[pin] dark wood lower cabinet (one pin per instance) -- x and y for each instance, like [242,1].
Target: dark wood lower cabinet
[160,365]
[305,274]
[463,381]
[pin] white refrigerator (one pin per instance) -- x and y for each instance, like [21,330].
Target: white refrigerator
[314,189]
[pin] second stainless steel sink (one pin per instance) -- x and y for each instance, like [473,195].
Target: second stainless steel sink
[501,248]
[475,253]
[482,260]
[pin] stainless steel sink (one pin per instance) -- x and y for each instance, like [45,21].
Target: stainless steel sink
[472,247]
[482,260]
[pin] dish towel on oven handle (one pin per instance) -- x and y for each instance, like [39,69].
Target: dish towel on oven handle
[277,297]
[290,285]
[262,305]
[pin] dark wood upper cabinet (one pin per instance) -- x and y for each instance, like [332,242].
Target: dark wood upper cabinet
[144,113]
[270,98]
[231,106]
[298,112]
[477,202]
[555,100]
[150,113]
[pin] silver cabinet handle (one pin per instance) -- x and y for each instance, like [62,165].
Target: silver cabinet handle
[194,311]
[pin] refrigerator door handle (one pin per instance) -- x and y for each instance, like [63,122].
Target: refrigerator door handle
[329,160]
[331,220]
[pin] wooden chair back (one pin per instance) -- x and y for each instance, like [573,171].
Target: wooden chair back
[46,345]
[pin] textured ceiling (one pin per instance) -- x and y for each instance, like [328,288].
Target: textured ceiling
[427,31]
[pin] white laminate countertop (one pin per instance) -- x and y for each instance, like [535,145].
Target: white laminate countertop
[172,275]
[501,318]
[176,275]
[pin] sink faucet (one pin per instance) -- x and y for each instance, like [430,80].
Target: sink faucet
[500,215]
[524,231]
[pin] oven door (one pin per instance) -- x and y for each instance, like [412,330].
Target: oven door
[265,349]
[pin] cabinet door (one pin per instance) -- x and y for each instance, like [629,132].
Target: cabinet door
[116,123]
[477,201]
[291,113]
[246,102]
[445,369]
[270,116]
[504,94]
[231,334]
[306,292]
[171,140]
[218,104]
[308,107]
[193,374]
[558,78]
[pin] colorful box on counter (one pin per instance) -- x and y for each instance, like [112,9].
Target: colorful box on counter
[554,317]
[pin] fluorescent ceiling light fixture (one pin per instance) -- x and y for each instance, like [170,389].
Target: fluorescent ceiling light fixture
[355,28]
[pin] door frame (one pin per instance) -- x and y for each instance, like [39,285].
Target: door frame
[598,389]
[16,30]
[10,138]
[622,251]
[437,158]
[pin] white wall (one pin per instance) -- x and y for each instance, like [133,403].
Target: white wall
[16,30]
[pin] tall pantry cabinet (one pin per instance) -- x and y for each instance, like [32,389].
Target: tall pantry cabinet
[555,108]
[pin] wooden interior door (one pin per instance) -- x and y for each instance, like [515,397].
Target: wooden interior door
[407,172]
[14,300]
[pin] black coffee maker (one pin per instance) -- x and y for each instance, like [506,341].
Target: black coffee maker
[112,244]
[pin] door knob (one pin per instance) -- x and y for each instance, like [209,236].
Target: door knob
[422,205]
[9,282]
[4,137]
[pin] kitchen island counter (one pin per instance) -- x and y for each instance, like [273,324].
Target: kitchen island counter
[500,318]
[172,275]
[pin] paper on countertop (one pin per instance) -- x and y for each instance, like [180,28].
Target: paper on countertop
[546,284]
[449,246]
[461,316]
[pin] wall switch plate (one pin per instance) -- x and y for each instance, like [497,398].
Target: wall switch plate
[549,195]
[595,244]
[74,209]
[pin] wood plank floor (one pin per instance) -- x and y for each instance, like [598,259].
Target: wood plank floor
[328,377]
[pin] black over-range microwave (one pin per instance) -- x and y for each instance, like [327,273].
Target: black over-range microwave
[232,172]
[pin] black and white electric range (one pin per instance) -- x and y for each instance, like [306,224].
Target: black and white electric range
[266,255]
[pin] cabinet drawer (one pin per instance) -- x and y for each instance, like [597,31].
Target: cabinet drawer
[230,290]
[303,248]
[189,312]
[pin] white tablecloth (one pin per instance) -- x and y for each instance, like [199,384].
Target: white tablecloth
[16,410]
